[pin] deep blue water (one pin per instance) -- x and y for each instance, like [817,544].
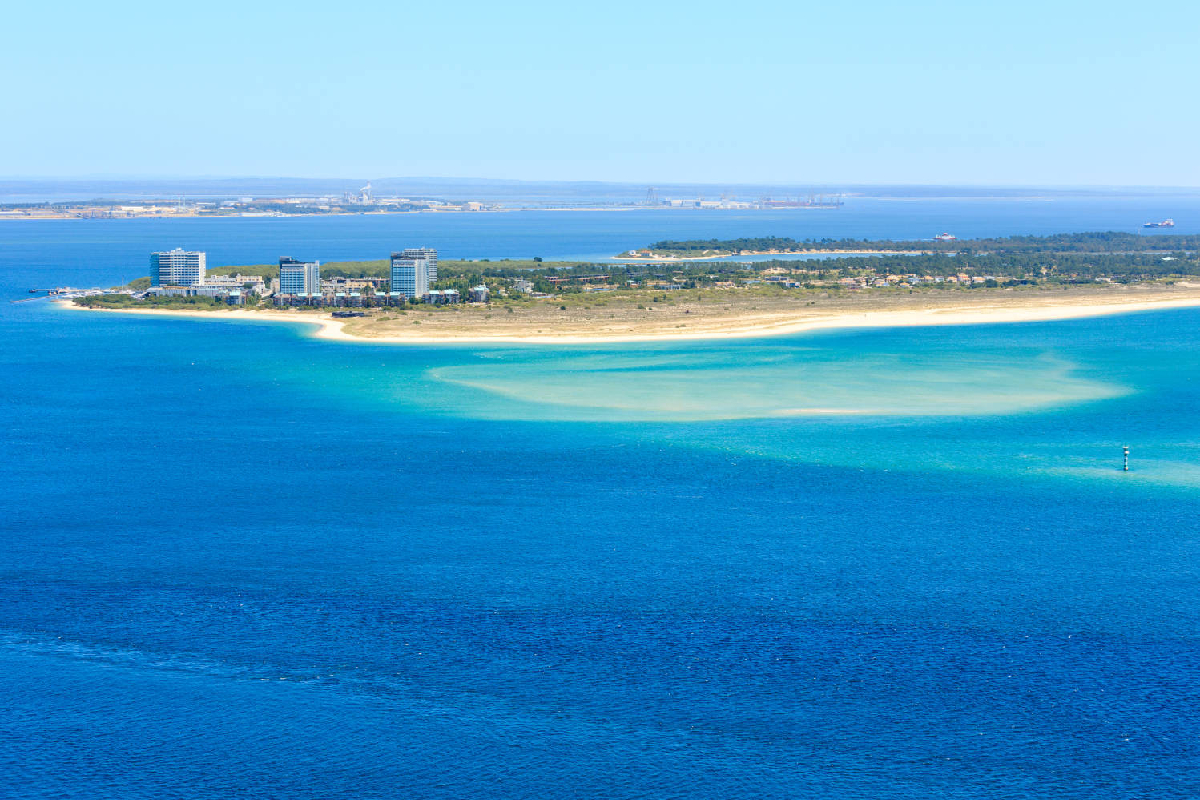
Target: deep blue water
[76,251]
[239,562]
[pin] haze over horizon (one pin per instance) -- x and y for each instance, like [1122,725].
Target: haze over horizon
[934,93]
[847,186]
[535,193]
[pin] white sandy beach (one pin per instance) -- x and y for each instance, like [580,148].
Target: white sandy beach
[1035,308]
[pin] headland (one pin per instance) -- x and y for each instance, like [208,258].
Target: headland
[414,298]
[684,315]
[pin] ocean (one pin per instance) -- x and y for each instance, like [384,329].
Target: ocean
[238,561]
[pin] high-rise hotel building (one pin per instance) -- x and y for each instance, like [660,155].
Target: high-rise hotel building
[299,277]
[414,271]
[177,268]
[427,253]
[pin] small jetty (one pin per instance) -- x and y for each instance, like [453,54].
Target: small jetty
[62,293]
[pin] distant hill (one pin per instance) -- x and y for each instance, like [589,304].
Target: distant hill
[499,190]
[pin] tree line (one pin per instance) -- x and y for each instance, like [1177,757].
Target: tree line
[1089,242]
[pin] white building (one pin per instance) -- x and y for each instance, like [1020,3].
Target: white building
[410,274]
[429,254]
[177,268]
[299,277]
[231,296]
[442,297]
[255,282]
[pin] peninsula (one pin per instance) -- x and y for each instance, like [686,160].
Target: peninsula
[691,317]
[1027,278]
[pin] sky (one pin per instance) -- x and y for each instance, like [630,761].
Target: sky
[866,92]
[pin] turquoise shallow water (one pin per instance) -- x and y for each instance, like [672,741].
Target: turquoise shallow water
[239,561]
[767,380]
[909,399]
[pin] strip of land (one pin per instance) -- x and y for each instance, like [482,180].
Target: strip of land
[1088,242]
[714,315]
[655,258]
[1012,279]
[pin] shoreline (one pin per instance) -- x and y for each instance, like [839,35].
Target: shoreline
[673,259]
[732,328]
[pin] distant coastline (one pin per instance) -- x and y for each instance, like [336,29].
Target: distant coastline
[668,259]
[93,214]
[944,243]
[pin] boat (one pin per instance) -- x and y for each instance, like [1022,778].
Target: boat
[945,237]
[1166,223]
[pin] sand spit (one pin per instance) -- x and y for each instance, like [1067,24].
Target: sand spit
[717,320]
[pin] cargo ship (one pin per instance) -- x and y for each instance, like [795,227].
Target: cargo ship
[1166,223]
[945,237]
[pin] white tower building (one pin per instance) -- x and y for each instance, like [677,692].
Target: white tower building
[178,268]
[299,277]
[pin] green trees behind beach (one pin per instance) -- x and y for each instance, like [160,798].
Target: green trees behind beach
[1091,242]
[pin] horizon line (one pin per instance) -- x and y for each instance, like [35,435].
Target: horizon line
[117,178]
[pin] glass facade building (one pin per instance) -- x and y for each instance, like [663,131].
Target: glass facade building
[431,258]
[177,268]
[299,277]
[411,273]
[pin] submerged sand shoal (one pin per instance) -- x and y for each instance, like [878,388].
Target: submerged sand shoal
[716,319]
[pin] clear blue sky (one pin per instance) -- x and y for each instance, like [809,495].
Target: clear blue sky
[791,92]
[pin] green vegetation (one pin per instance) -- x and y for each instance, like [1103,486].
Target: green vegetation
[379,268]
[969,265]
[164,303]
[1093,242]
[452,274]
[1042,266]
[267,271]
